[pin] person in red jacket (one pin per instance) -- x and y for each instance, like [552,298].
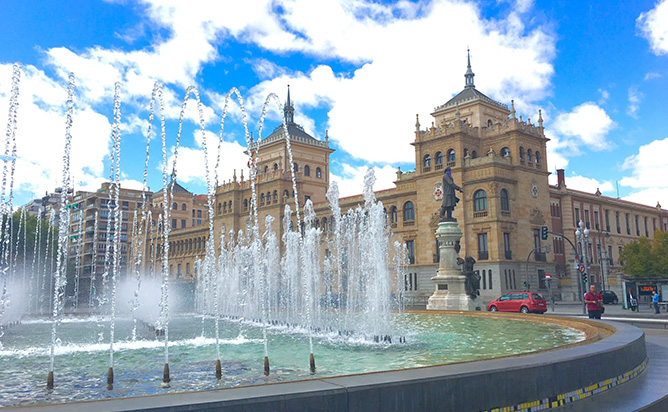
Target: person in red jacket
[594,302]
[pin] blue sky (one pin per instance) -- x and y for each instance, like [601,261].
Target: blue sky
[360,70]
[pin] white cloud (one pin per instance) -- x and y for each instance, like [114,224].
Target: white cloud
[587,124]
[648,167]
[650,197]
[41,135]
[585,184]
[651,76]
[635,97]
[605,95]
[351,181]
[653,26]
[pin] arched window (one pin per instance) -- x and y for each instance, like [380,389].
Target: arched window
[229,205]
[537,156]
[275,196]
[307,171]
[266,169]
[224,207]
[505,203]
[439,158]
[262,199]
[324,224]
[268,197]
[286,194]
[474,155]
[529,157]
[183,206]
[393,214]
[451,155]
[295,167]
[505,152]
[318,172]
[479,201]
[275,167]
[245,204]
[466,152]
[521,154]
[409,211]
[427,161]
[175,206]
[490,123]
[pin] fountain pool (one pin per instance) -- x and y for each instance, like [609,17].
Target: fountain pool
[431,339]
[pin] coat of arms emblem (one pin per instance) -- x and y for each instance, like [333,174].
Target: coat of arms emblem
[438,191]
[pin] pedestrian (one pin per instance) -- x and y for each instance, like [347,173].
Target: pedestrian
[594,302]
[655,301]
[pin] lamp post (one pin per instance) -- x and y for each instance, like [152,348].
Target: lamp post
[582,235]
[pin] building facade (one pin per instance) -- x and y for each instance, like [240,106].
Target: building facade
[497,158]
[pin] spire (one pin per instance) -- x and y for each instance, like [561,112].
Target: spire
[289,110]
[417,123]
[469,73]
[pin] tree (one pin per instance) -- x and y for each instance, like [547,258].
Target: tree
[645,257]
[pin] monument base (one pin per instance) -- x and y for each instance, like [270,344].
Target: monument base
[450,294]
[449,282]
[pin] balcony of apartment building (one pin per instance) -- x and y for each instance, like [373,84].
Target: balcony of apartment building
[540,256]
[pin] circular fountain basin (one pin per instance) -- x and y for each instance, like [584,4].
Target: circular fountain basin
[431,339]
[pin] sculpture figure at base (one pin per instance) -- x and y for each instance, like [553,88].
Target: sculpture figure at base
[450,200]
[472,284]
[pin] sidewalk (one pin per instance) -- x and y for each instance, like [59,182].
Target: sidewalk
[576,308]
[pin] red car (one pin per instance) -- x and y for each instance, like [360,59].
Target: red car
[524,302]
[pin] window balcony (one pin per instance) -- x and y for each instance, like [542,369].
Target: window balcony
[509,254]
[483,255]
[438,166]
[480,214]
[426,169]
[540,256]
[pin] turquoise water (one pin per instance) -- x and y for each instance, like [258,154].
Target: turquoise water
[81,361]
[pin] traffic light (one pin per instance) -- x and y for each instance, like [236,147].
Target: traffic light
[585,278]
[548,248]
[543,232]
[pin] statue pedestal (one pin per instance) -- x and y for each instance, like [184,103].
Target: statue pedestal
[450,293]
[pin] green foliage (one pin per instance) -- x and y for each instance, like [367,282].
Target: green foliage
[645,257]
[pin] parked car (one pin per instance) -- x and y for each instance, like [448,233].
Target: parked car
[609,297]
[524,302]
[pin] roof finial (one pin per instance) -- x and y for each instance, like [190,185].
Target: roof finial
[417,123]
[469,73]
[289,110]
[512,111]
[540,118]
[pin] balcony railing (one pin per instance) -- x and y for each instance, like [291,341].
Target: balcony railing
[509,254]
[480,214]
[540,257]
[483,255]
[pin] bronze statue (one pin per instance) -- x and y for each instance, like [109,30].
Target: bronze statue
[449,198]
[472,284]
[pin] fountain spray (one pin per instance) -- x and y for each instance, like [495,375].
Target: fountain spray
[61,257]
[115,191]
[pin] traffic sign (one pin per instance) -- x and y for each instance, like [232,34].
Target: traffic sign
[581,268]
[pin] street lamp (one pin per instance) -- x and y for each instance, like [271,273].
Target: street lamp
[582,235]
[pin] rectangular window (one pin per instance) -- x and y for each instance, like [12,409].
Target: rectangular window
[596,225]
[586,216]
[610,259]
[173,223]
[619,229]
[646,228]
[483,253]
[653,225]
[541,279]
[484,279]
[410,248]
[178,270]
[183,223]
[199,222]
[187,268]
[577,216]
[607,221]
[193,212]
[628,224]
[199,214]
[637,226]
[506,246]
[489,278]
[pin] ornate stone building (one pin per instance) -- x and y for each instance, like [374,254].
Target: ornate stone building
[497,158]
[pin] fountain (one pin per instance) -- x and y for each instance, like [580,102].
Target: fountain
[255,296]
